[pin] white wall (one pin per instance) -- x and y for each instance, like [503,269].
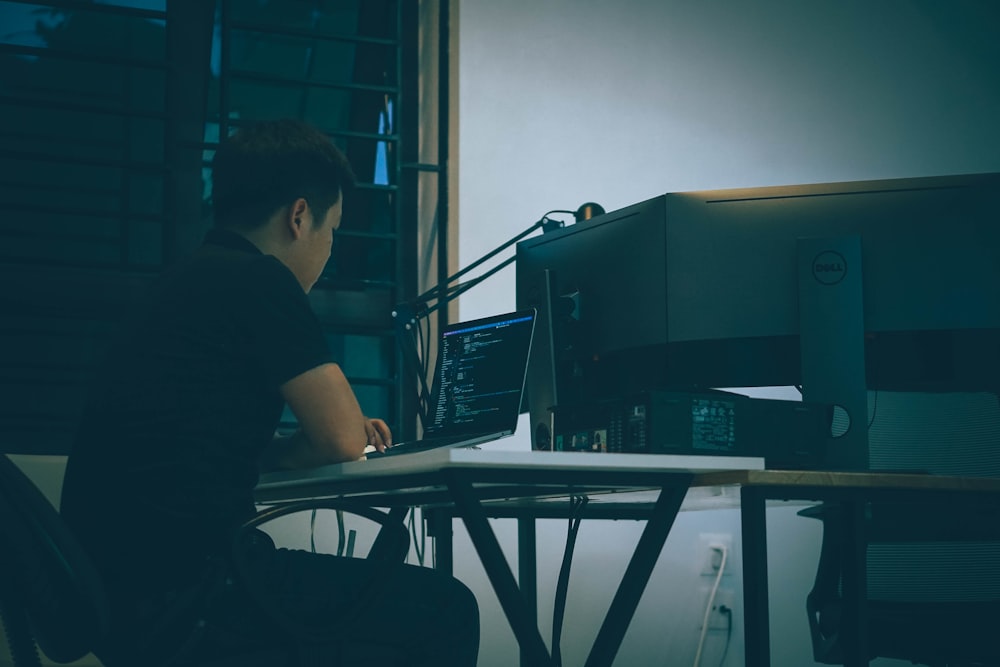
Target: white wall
[562,102]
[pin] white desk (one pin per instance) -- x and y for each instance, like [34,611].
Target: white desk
[474,484]
[330,480]
[470,483]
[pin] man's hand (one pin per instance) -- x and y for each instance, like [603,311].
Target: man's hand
[379,435]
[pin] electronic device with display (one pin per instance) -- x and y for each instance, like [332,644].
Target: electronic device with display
[837,288]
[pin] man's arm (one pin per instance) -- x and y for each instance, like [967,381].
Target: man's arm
[332,426]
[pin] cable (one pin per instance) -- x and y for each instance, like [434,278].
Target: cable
[409,334]
[576,505]
[874,409]
[416,337]
[721,548]
[312,531]
[426,354]
[424,394]
[340,532]
[418,544]
[723,609]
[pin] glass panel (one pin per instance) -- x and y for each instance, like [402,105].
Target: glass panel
[79,135]
[87,161]
[60,239]
[376,401]
[31,182]
[294,57]
[145,140]
[89,33]
[322,16]
[253,100]
[145,194]
[327,108]
[362,356]
[145,243]
[361,259]
[370,210]
[97,85]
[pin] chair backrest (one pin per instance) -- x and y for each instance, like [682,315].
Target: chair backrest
[933,594]
[52,595]
[46,579]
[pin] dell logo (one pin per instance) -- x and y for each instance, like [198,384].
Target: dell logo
[829,267]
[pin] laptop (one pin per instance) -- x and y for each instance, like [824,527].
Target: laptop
[478,383]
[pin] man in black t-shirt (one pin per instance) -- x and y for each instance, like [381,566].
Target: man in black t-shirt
[170,447]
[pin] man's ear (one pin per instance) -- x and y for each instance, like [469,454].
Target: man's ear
[298,216]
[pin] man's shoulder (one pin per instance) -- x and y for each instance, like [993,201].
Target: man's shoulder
[228,273]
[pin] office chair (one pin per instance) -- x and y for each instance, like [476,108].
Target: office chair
[932,573]
[52,598]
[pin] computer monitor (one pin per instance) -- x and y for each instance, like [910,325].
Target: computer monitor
[836,288]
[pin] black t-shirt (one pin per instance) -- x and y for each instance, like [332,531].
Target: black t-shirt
[166,458]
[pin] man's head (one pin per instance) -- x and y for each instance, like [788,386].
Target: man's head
[268,165]
[279,183]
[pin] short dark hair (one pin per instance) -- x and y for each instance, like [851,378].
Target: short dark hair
[269,164]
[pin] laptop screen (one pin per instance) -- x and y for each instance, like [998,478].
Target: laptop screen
[480,375]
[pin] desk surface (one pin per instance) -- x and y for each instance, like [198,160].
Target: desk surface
[846,480]
[417,478]
[509,474]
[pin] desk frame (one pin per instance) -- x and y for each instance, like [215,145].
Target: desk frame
[853,491]
[455,483]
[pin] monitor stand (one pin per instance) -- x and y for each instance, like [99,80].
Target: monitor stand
[832,342]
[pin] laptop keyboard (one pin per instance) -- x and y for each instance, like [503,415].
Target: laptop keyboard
[417,446]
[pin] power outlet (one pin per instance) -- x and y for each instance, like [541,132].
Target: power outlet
[721,615]
[710,554]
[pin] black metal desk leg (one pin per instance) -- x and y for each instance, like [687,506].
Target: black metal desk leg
[756,621]
[527,571]
[636,576]
[854,620]
[533,649]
